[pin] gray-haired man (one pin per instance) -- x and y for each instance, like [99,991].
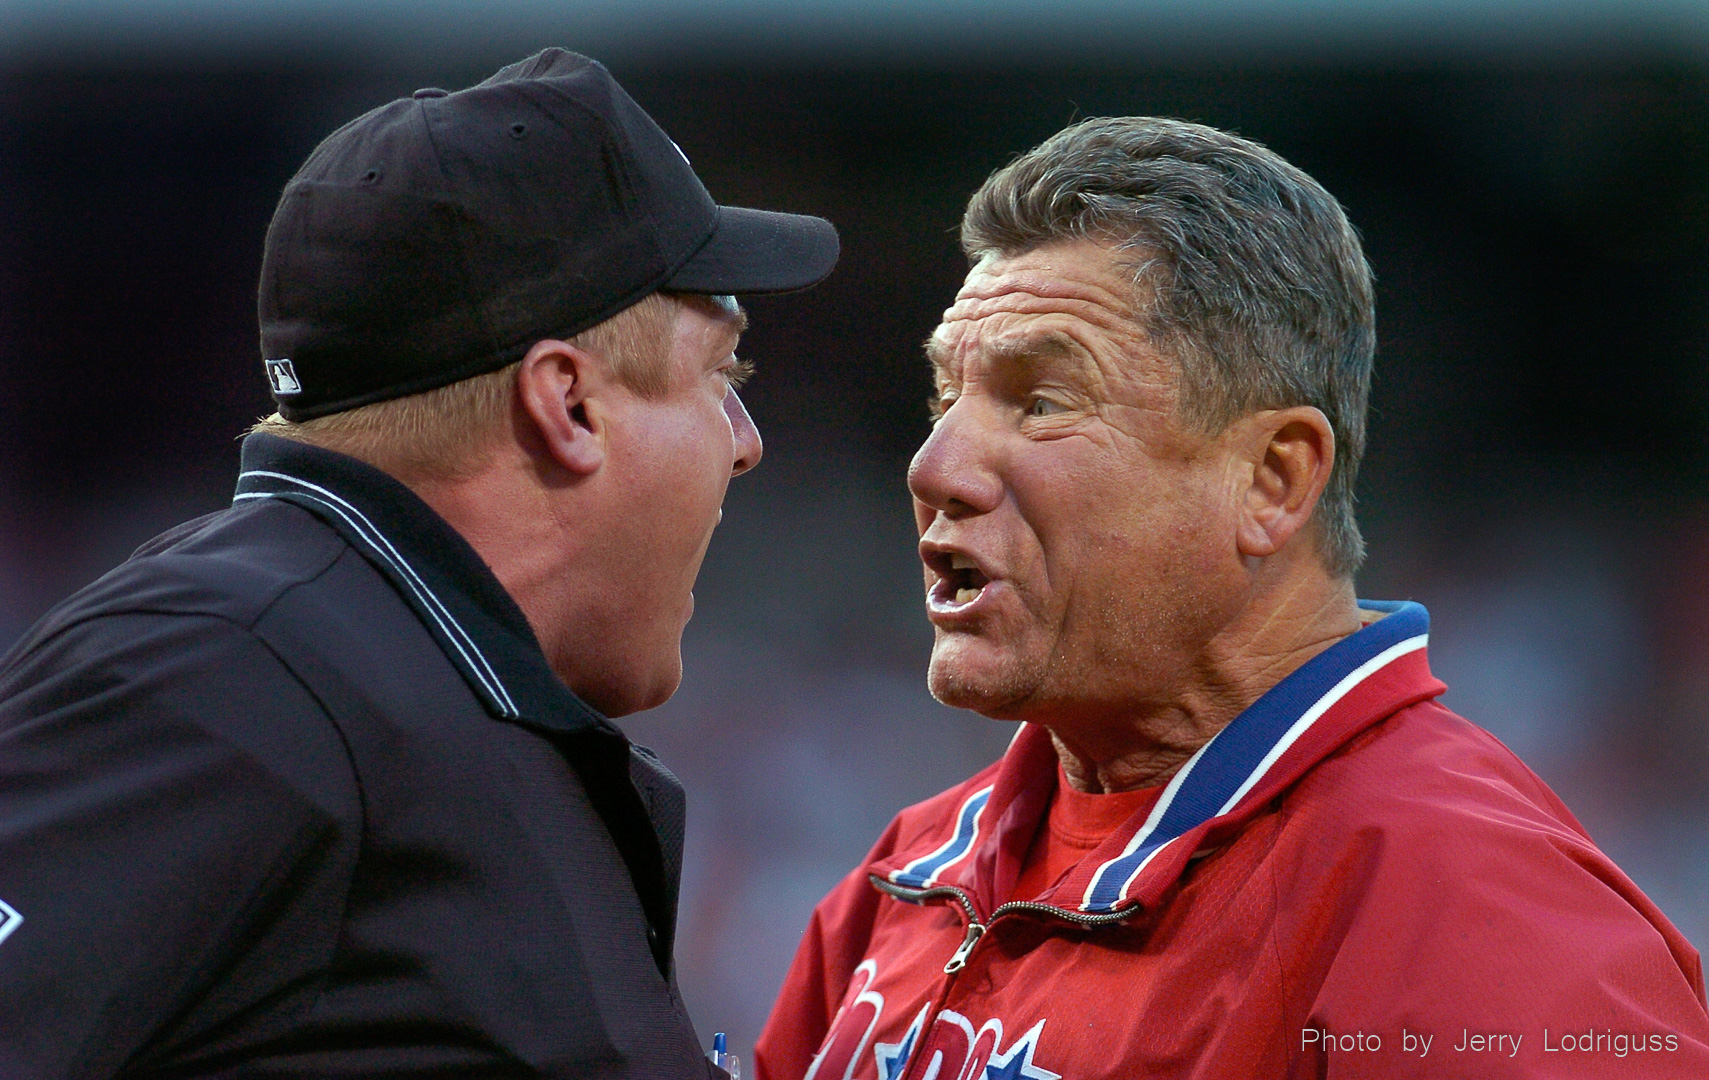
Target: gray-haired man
[1236,836]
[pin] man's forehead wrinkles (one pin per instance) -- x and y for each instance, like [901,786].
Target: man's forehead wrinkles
[1046,283]
[1036,307]
[1101,313]
[1013,336]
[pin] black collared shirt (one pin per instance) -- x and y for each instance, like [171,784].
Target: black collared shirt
[294,793]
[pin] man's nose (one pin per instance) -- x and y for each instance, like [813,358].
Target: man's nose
[748,444]
[953,471]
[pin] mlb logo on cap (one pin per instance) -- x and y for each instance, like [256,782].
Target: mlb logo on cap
[283,377]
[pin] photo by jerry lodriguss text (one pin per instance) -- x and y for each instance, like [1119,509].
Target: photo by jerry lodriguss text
[1465,1040]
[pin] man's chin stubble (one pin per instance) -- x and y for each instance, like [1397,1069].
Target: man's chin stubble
[994,696]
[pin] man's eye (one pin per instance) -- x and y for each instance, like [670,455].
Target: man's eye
[1041,406]
[738,372]
[939,404]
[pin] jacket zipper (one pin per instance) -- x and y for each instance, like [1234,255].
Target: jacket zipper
[975,931]
[976,927]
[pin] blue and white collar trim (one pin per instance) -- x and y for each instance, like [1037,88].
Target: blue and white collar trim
[923,872]
[1214,780]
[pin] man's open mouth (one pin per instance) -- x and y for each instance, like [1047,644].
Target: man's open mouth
[960,581]
[965,579]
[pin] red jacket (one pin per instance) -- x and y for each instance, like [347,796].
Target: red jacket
[1349,880]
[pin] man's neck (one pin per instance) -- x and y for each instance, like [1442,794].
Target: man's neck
[1287,626]
[518,532]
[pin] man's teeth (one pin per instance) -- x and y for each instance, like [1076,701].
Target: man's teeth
[962,564]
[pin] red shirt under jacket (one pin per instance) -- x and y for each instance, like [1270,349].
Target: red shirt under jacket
[1074,826]
[1348,881]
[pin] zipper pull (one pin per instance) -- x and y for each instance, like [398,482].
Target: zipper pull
[975,931]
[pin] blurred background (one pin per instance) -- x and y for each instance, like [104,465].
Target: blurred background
[1531,179]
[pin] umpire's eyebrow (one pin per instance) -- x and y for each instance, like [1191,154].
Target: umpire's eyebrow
[733,308]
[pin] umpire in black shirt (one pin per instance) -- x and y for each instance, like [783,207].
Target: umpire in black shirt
[322,784]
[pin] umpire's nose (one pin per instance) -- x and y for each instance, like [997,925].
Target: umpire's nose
[747,436]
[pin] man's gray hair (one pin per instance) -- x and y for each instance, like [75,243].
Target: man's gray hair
[1250,275]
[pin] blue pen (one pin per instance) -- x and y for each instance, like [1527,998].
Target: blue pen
[724,1060]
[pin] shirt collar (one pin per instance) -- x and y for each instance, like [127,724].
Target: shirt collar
[1351,685]
[452,591]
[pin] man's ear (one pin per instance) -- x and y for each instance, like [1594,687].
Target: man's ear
[1292,452]
[560,388]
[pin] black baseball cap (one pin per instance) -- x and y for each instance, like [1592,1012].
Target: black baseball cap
[440,236]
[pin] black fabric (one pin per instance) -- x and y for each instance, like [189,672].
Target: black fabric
[258,821]
[752,251]
[423,558]
[443,234]
[602,760]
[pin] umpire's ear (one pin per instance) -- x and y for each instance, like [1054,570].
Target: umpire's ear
[559,387]
[1291,452]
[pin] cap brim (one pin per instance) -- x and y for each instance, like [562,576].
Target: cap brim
[758,251]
